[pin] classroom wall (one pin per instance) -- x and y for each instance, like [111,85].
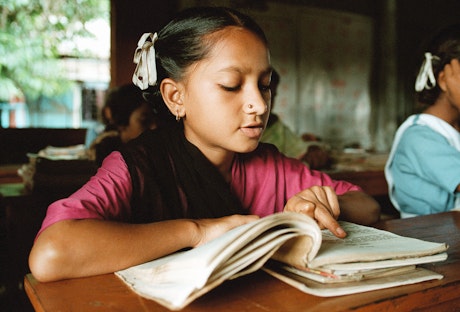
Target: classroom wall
[398,29]
[129,20]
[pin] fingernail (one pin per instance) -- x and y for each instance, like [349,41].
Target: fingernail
[340,231]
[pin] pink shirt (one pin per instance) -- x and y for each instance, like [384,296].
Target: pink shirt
[266,181]
[263,182]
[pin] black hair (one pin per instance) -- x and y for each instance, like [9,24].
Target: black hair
[274,81]
[186,39]
[121,102]
[445,45]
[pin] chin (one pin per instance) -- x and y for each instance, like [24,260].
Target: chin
[247,148]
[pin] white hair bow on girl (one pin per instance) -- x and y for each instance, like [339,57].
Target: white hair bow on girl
[145,73]
[425,78]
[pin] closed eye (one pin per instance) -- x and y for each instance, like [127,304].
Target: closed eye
[230,89]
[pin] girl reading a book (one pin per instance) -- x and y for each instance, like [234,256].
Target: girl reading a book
[202,174]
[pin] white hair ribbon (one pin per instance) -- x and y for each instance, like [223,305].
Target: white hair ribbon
[145,73]
[425,78]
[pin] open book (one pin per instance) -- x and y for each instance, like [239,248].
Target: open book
[291,247]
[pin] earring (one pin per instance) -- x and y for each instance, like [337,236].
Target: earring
[177,115]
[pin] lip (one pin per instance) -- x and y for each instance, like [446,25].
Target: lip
[252,131]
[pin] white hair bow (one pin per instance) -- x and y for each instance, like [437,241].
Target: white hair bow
[425,78]
[145,73]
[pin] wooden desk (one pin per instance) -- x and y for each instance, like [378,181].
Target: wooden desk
[9,173]
[261,292]
[372,182]
[363,169]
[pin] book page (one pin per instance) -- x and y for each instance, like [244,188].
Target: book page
[366,244]
[312,287]
[177,279]
[391,263]
[340,277]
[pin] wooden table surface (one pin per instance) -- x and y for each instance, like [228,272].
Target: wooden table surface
[261,292]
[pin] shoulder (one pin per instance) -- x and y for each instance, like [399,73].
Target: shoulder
[424,127]
[114,165]
[417,135]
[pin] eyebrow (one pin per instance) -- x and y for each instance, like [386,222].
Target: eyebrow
[267,71]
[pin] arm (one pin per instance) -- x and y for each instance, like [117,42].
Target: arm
[358,207]
[85,234]
[77,248]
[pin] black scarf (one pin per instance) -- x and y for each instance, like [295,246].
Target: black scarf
[165,167]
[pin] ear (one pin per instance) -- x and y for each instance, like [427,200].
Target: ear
[107,113]
[442,81]
[171,91]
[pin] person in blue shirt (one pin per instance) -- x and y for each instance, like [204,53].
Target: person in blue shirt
[423,168]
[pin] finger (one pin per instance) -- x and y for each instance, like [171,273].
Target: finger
[299,204]
[316,210]
[310,200]
[333,202]
[327,210]
[326,221]
[325,197]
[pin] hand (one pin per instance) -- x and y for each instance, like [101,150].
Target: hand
[319,203]
[208,229]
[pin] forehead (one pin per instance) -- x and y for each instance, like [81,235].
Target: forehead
[237,46]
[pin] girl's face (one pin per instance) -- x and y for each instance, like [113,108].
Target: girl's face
[141,119]
[450,84]
[227,96]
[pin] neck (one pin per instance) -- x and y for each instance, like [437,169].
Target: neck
[444,110]
[224,165]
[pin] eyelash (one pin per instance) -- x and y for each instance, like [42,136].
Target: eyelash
[233,89]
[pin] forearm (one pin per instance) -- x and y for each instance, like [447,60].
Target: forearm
[358,207]
[76,248]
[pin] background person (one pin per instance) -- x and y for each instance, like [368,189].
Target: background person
[126,114]
[423,169]
[306,147]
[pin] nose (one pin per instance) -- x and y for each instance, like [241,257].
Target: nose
[256,103]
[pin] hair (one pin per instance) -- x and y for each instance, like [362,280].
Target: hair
[122,102]
[274,81]
[446,46]
[187,39]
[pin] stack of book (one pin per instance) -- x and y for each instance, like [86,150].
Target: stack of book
[291,247]
[57,169]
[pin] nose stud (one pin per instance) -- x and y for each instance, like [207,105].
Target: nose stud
[250,106]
